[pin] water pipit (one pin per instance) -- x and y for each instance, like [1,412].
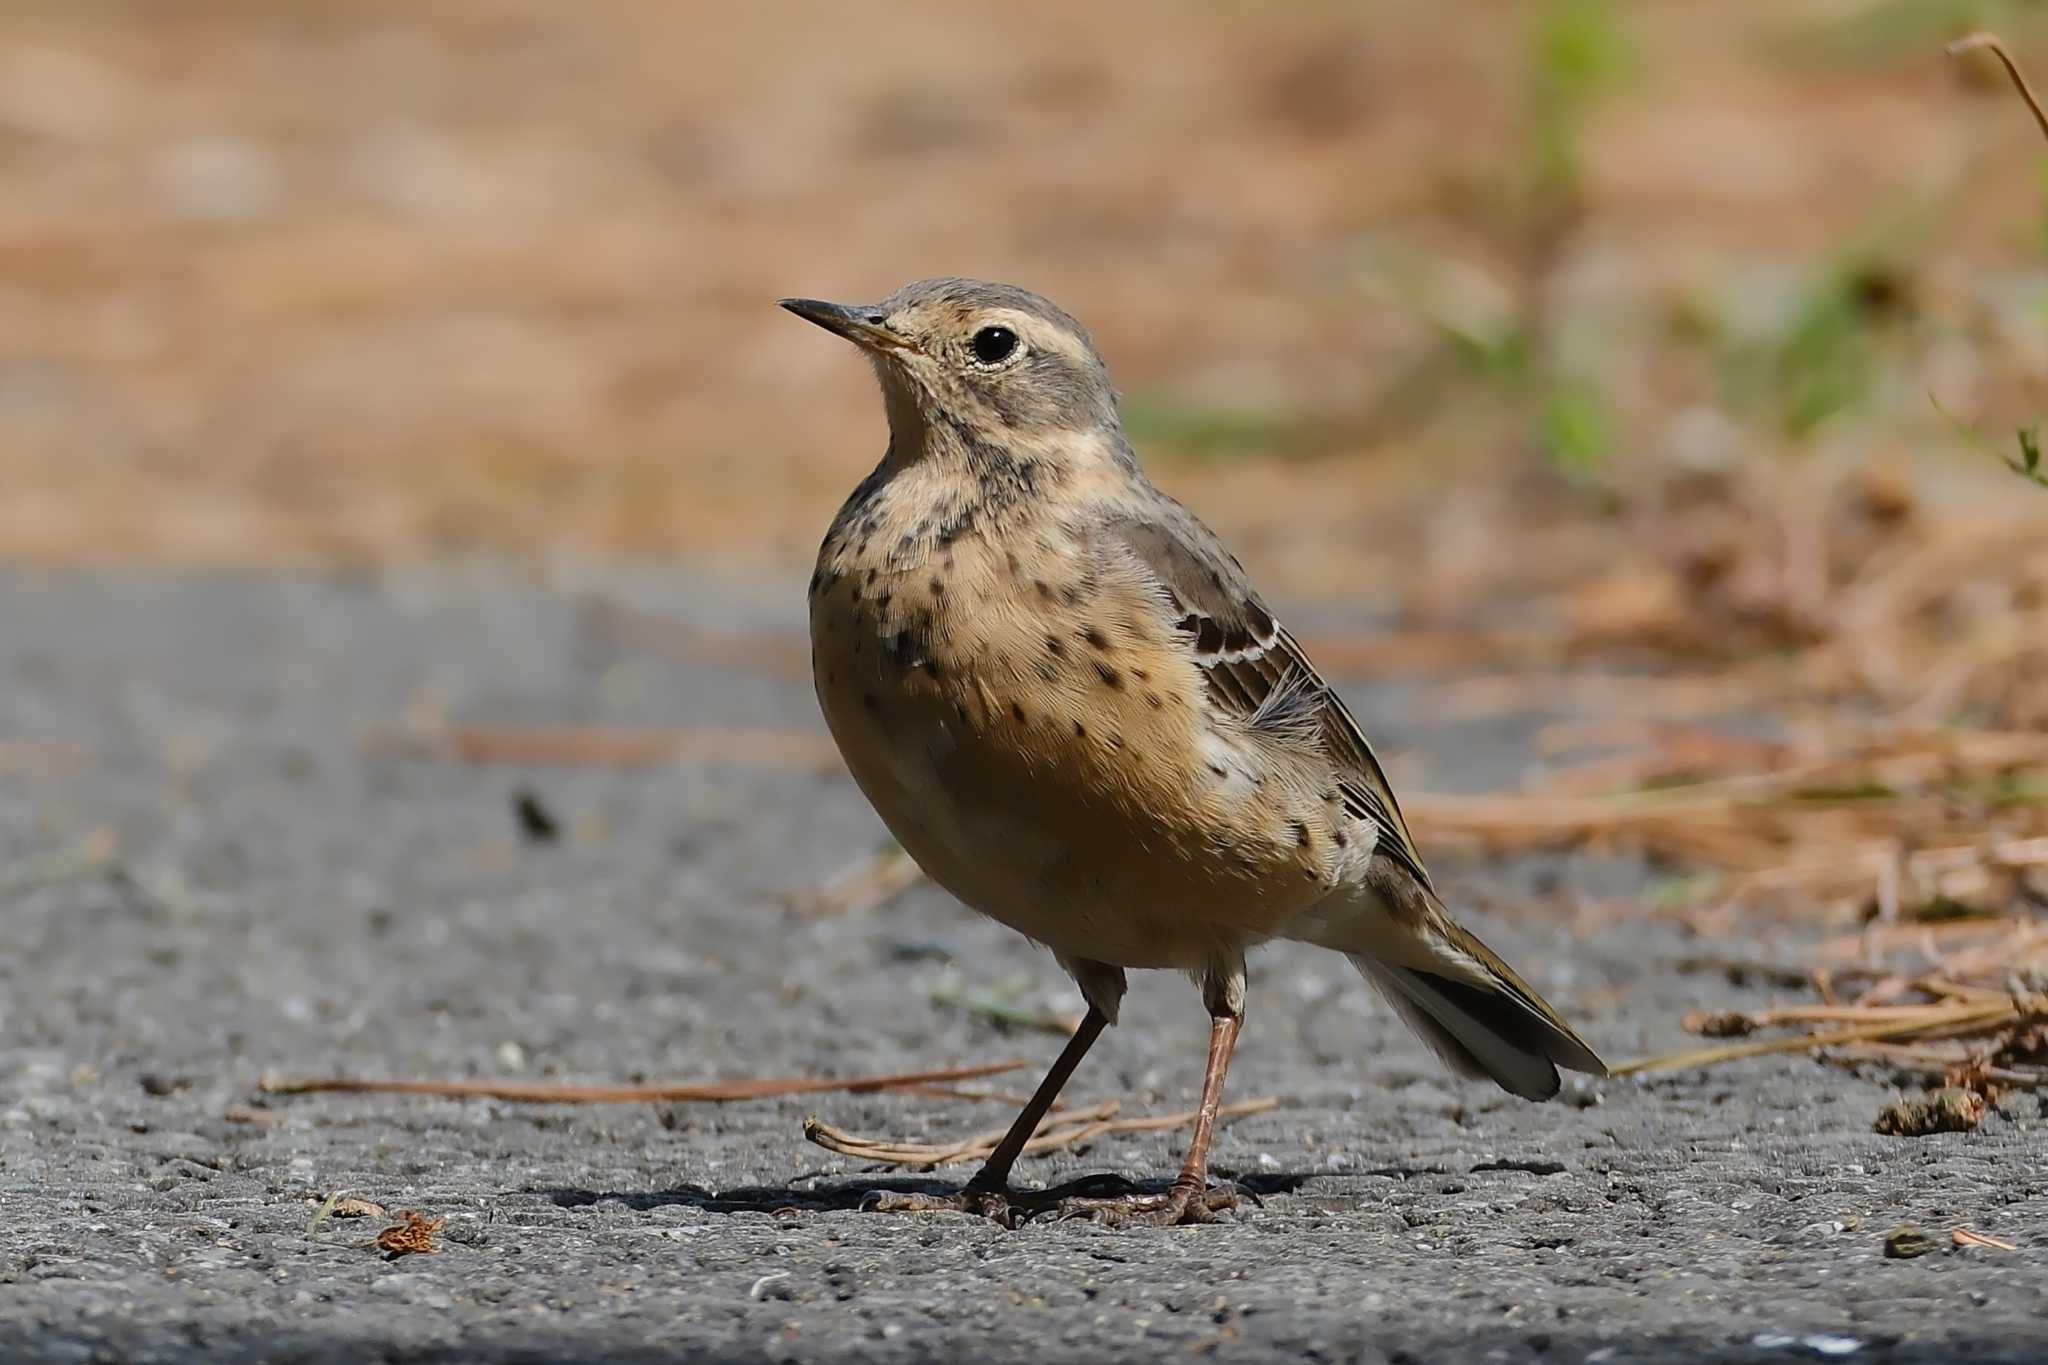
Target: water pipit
[1070,706]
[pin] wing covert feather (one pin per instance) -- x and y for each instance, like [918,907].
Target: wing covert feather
[1255,670]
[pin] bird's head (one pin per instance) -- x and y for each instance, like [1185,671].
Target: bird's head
[967,361]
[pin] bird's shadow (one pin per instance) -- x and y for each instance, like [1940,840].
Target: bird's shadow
[805,1194]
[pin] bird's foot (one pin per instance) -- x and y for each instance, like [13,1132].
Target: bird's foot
[1006,1207]
[1184,1203]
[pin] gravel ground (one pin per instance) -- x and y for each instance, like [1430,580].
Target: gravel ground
[287,898]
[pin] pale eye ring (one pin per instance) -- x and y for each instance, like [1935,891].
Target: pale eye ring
[994,344]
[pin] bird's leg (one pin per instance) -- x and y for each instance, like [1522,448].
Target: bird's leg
[1194,1172]
[1191,1199]
[988,1193]
[994,1175]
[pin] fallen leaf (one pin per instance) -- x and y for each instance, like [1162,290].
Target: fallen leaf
[415,1236]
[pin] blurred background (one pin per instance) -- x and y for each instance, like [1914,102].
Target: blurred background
[1627,401]
[324,283]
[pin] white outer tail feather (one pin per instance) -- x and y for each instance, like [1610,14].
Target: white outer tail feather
[1471,1008]
[1465,1044]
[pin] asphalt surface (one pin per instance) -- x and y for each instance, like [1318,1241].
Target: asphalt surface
[285,895]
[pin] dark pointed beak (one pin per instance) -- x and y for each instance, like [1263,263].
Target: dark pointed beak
[867,328]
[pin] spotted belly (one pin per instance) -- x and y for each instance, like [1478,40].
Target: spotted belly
[1070,792]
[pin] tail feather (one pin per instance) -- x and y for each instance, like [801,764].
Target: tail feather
[1530,1010]
[1482,1033]
[1470,1007]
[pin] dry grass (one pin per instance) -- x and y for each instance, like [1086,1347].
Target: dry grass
[1054,1133]
[703,1092]
[1963,1005]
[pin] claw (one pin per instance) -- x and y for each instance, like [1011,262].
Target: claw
[998,1206]
[1182,1204]
[1012,1209]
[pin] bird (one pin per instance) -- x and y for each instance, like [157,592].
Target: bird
[1070,706]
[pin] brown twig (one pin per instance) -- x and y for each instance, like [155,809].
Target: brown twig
[928,1154]
[1975,1016]
[525,1092]
[1963,1237]
[1929,1064]
[1081,1125]
[1989,41]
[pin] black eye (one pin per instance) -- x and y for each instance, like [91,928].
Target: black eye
[993,345]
